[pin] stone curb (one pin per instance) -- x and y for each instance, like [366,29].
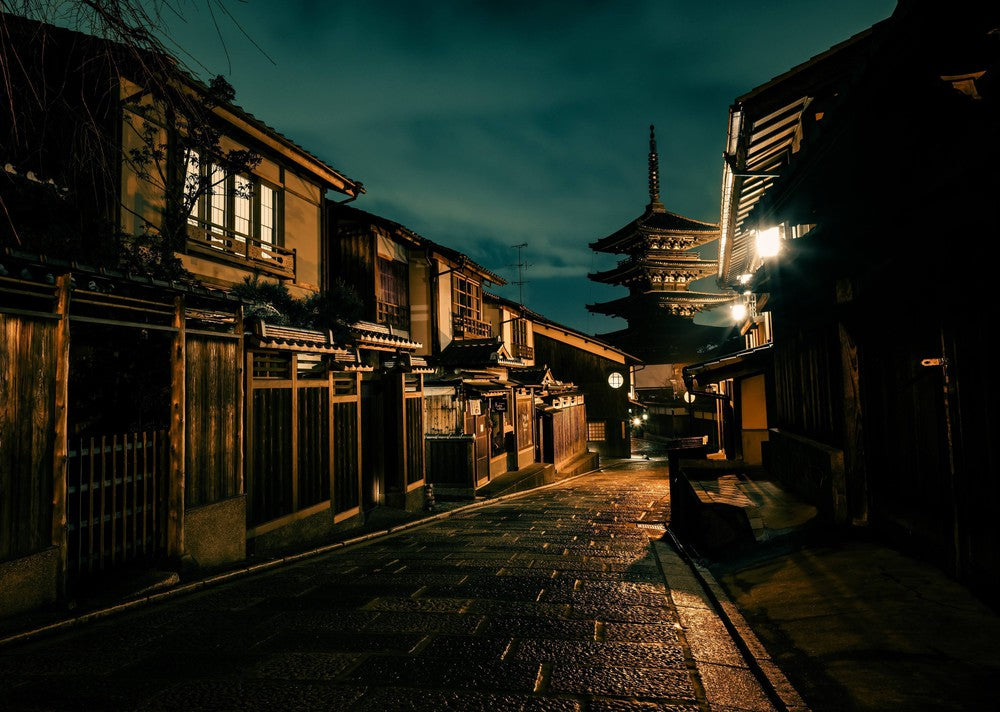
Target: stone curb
[194,586]
[772,679]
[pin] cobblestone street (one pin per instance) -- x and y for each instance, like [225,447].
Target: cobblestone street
[563,598]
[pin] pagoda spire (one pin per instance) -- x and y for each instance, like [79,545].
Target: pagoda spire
[654,172]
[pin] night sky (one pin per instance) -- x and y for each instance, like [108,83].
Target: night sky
[484,125]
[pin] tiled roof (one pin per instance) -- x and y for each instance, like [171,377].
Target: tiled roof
[656,221]
[374,335]
[421,241]
[477,352]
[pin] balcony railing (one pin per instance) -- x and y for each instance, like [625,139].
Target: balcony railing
[470,328]
[523,351]
[243,251]
[397,315]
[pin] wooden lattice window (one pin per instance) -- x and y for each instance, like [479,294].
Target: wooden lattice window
[596,431]
[393,293]
[268,365]
[467,300]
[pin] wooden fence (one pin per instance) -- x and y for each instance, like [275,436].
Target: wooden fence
[303,439]
[414,433]
[451,460]
[116,505]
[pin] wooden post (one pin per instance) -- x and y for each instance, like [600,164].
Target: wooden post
[175,475]
[295,432]
[358,436]
[60,487]
[240,426]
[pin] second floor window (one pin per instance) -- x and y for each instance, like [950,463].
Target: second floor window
[236,207]
[467,299]
[393,293]
[519,331]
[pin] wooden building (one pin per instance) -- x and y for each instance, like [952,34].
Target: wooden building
[121,405]
[603,373]
[171,371]
[882,388]
[427,300]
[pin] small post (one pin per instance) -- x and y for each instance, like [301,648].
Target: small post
[175,473]
[60,487]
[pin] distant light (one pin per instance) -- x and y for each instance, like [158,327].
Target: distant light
[744,278]
[636,422]
[645,416]
[768,242]
[739,311]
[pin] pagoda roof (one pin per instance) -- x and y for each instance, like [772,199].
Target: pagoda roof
[631,304]
[656,221]
[637,266]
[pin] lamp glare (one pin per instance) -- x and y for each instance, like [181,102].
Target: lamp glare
[768,242]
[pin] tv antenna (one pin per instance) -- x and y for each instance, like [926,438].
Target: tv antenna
[521,267]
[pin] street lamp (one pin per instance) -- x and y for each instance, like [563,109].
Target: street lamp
[768,242]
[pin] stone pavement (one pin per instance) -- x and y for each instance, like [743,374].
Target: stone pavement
[563,598]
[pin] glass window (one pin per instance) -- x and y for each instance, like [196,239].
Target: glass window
[234,206]
[267,214]
[192,181]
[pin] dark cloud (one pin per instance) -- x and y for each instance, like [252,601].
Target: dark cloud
[483,125]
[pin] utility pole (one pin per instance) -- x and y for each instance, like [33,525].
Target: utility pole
[521,266]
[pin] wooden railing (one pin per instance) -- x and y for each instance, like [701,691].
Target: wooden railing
[397,315]
[523,351]
[467,326]
[244,251]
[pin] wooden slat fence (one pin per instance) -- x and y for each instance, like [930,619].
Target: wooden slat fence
[314,446]
[116,510]
[270,487]
[346,470]
[303,441]
[414,439]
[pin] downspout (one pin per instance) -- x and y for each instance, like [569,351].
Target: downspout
[432,278]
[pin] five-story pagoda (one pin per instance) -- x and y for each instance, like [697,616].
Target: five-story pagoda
[658,267]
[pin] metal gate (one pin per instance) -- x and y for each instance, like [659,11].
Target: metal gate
[116,512]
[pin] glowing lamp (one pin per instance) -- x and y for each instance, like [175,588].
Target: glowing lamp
[688,397]
[768,242]
[636,422]
[739,311]
[645,416]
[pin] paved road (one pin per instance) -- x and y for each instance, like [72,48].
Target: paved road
[561,599]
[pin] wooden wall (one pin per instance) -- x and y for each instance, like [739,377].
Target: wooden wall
[807,378]
[27,434]
[441,417]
